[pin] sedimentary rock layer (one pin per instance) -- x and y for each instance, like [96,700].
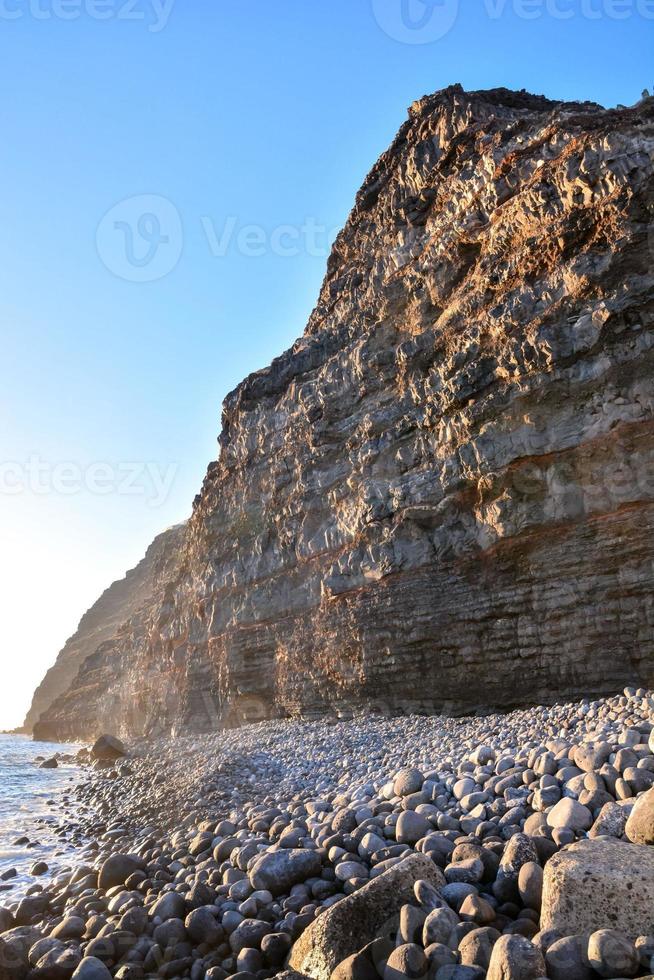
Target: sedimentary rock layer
[98,626]
[442,497]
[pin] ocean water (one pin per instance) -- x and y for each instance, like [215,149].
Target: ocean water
[27,794]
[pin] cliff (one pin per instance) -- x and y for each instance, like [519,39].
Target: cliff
[114,607]
[442,497]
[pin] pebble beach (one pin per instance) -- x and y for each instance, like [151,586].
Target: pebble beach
[448,848]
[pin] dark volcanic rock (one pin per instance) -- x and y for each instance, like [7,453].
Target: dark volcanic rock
[108,748]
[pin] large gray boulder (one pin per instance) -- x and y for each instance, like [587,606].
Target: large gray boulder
[278,871]
[117,869]
[357,920]
[599,884]
[108,748]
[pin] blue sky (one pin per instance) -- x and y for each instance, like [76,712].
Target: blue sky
[227,140]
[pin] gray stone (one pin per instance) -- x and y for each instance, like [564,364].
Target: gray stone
[611,954]
[14,951]
[411,827]
[640,825]
[169,933]
[567,959]
[610,821]
[30,908]
[117,869]
[276,947]
[203,926]
[370,843]
[463,787]
[408,781]
[412,921]
[278,871]
[108,747]
[249,935]
[351,869]
[519,850]
[476,909]
[355,967]
[439,955]
[91,969]
[57,964]
[468,872]
[6,920]
[590,756]
[638,779]
[371,912]
[456,894]
[429,897]
[599,884]
[72,927]
[546,938]
[344,821]
[168,906]
[570,815]
[438,926]
[530,885]
[43,946]
[515,958]
[645,950]
[135,920]
[455,972]
[408,961]
[476,948]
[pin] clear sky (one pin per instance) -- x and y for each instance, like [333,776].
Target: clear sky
[171,171]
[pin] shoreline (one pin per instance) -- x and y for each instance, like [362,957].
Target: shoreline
[208,856]
[35,803]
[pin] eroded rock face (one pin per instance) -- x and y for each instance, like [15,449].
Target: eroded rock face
[442,496]
[89,653]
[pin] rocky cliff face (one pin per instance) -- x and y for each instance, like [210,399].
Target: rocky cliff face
[442,497]
[116,605]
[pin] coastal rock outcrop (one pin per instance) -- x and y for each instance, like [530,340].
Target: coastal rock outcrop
[441,497]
